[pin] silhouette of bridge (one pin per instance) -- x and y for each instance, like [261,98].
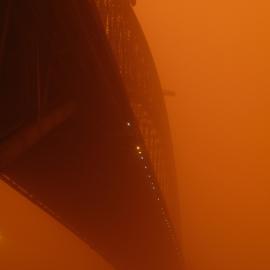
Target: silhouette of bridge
[83,126]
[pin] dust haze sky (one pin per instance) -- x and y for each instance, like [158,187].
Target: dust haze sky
[215,56]
[32,240]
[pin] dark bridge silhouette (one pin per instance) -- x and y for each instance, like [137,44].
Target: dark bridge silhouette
[83,126]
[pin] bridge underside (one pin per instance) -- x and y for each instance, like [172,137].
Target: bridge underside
[82,168]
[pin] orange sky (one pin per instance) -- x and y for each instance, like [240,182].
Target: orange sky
[32,240]
[215,56]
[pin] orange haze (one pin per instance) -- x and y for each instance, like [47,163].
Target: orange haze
[31,240]
[216,56]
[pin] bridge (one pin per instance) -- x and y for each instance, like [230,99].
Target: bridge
[84,132]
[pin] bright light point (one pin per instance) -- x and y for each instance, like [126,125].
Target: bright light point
[154,188]
[145,167]
[141,158]
[128,124]
[138,147]
[140,152]
[149,176]
[158,199]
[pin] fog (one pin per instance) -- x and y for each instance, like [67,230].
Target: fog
[215,56]
[30,239]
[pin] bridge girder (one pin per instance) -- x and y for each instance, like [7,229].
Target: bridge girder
[90,151]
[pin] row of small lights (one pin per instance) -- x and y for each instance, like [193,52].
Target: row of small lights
[139,150]
[149,176]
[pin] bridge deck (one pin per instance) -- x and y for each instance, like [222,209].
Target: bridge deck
[85,170]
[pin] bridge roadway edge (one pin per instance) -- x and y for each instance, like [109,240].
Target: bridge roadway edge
[101,110]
